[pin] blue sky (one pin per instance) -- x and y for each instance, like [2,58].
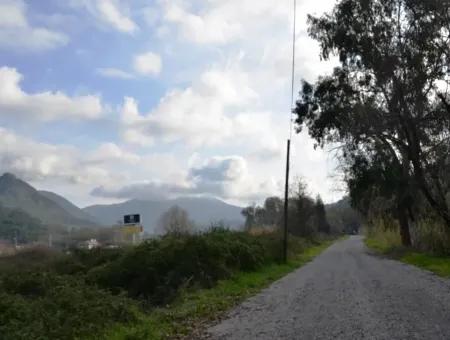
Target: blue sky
[108,100]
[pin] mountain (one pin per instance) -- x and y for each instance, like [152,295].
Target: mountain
[68,206]
[202,211]
[17,225]
[17,194]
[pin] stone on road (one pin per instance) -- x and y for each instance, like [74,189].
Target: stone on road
[345,293]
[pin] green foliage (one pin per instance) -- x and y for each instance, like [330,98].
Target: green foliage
[50,295]
[386,240]
[306,217]
[383,106]
[196,307]
[158,268]
[41,305]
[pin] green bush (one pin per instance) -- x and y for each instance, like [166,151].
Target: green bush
[35,305]
[155,270]
[80,295]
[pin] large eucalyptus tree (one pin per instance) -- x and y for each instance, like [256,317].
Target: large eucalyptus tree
[388,101]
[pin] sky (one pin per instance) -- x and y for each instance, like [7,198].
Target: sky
[103,101]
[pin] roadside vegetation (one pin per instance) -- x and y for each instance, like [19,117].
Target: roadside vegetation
[386,240]
[162,288]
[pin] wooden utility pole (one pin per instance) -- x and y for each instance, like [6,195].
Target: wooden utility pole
[288,155]
[286,202]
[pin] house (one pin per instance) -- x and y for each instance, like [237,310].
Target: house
[89,244]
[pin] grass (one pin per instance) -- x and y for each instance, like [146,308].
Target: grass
[439,265]
[194,309]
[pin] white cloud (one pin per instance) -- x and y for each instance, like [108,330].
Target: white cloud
[44,106]
[69,169]
[197,115]
[149,64]
[114,13]
[114,73]
[223,22]
[223,177]
[16,33]
[208,28]
[36,161]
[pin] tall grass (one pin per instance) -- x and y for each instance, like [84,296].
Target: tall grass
[383,235]
[428,235]
[431,236]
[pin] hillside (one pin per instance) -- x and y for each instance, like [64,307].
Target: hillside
[68,206]
[17,224]
[202,211]
[17,194]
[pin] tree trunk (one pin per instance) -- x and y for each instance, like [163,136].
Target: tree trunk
[404,227]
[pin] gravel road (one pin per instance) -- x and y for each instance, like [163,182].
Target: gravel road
[345,293]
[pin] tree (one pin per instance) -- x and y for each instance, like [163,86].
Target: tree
[301,211]
[250,216]
[321,216]
[175,221]
[270,214]
[388,99]
[273,211]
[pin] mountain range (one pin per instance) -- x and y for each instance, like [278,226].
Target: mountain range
[203,211]
[53,209]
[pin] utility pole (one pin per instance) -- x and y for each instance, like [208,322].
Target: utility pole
[286,202]
[288,155]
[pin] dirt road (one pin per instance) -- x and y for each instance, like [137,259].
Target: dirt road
[345,293]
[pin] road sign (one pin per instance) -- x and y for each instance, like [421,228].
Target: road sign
[132,219]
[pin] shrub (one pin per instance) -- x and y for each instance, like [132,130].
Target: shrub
[156,269]
[36,305]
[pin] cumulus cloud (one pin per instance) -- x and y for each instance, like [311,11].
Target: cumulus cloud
[147,190]
[210,27]
[148,64]
[197,115]
[114,13]
[44,106]
[36,161]
[114,73]
[222,22]
[17,33]
[222,177]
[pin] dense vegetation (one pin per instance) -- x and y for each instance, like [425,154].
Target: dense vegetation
[386,109]
[387,241]
[46,294]
[307,216]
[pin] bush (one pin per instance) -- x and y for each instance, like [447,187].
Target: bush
[80,295]
[156,269]
[36,305]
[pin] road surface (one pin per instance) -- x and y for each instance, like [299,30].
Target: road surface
[345,293]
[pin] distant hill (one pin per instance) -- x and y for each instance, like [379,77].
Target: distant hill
[202,211]
[68,206]
[17,194]
[17,224]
